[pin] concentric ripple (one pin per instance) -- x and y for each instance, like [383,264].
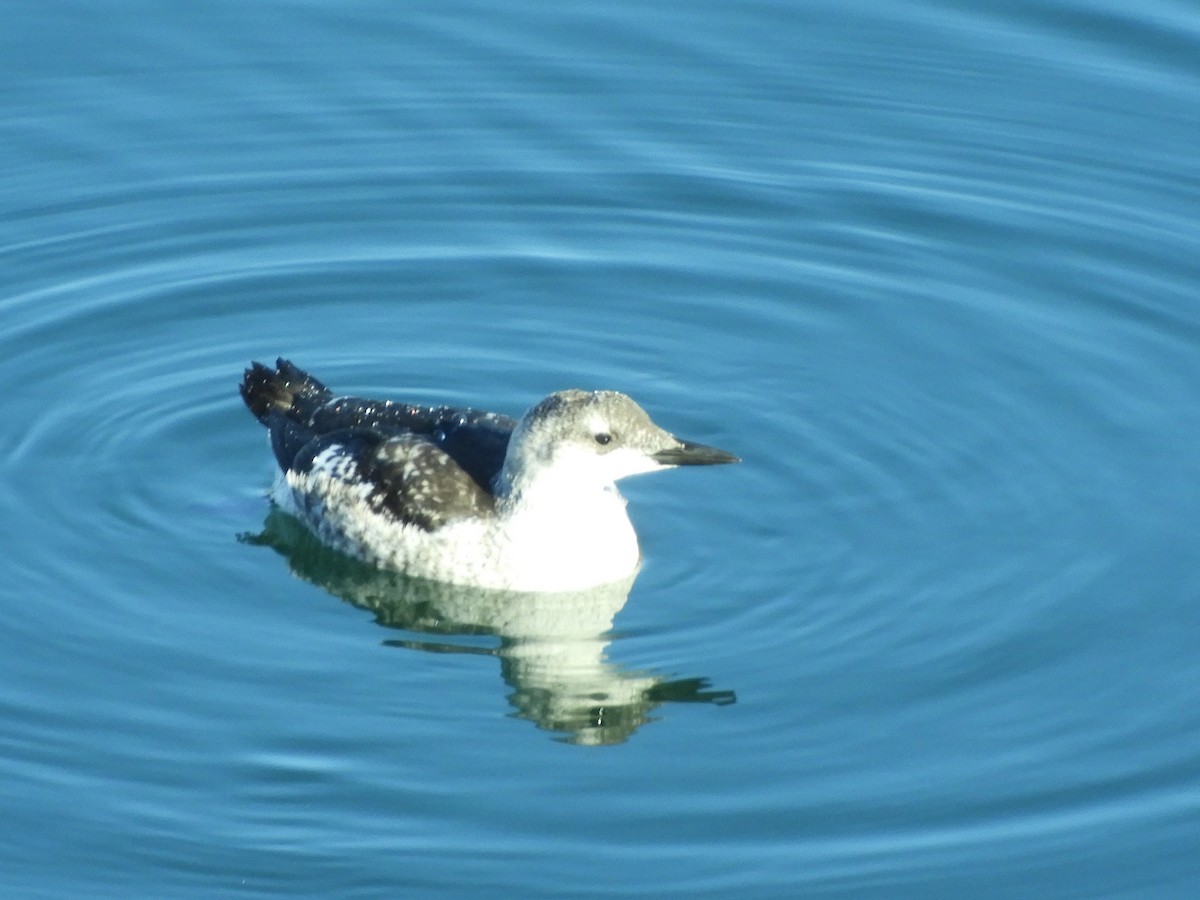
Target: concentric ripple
[930,272]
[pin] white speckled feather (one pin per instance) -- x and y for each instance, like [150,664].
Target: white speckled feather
[464,497]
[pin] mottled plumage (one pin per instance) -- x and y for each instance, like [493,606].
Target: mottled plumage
[460,495]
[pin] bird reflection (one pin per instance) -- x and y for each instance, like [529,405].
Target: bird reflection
[551,646]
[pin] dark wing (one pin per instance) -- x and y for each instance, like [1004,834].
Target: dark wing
[410,478]
[476,441]
[297,408]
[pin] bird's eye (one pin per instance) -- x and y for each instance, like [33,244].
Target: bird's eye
[603,438]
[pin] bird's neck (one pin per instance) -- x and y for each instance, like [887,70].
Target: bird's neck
[566,523]
[531,486]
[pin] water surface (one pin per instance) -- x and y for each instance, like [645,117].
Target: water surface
[931,271]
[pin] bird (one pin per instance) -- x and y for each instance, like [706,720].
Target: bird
[464,496]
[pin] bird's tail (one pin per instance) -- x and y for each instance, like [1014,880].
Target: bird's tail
[286,389]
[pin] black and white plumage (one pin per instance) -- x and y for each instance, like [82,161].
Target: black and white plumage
[464,496]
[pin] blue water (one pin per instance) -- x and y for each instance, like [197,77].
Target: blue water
[931,269]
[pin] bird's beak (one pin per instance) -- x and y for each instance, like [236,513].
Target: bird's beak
[685,453]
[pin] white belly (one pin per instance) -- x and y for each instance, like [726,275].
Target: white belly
[556,546]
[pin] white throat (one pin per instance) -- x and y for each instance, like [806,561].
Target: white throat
[568,521]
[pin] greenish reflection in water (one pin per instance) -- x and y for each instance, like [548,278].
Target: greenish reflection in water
[552,646]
